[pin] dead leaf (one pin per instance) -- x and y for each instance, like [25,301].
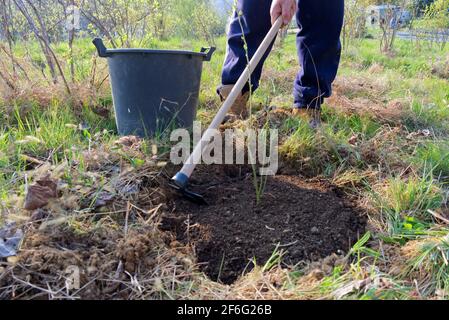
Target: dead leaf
[39,194]
[102,112]
[128,141]
[51,185]
[351,287]
[12,260]
[103,199]
[353,140]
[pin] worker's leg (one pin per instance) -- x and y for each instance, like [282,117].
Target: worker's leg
[319,49]
[253,23]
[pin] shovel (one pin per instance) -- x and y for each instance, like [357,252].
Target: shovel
[181,180]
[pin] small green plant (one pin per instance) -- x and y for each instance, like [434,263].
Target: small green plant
[407,229]
[360,248]
[274,260]
[259,182]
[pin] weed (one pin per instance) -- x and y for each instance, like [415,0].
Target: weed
[401,201]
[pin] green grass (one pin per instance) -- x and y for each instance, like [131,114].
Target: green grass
[405,204]
[52,134]
[433,156]
[302,143]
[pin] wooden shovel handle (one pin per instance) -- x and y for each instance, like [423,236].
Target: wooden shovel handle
[190,164]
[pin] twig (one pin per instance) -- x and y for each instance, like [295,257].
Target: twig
[153,213]
[128,209]
[47,291]
[286,245]
[438,216]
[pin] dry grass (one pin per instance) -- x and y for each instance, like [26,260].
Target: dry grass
[27,84]
[118,250]
[363,96]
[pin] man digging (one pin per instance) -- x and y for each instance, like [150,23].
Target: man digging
[318,42]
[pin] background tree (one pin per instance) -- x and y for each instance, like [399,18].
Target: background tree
[436,18]
[199,19]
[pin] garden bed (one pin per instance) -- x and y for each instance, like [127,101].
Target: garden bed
[297,219]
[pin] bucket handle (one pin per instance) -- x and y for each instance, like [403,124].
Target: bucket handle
[101,48]
[103,51]
[208,53]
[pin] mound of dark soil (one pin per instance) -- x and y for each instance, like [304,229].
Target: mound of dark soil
[307,220]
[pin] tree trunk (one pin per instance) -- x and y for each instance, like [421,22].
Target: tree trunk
[5,15]
[42,42]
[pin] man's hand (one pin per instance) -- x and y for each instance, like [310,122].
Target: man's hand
[285,8]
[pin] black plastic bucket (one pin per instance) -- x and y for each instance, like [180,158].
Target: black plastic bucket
[154,90]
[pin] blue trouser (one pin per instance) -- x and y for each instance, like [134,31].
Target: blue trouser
[318,43]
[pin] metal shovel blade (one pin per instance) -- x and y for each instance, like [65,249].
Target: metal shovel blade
[189,195]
